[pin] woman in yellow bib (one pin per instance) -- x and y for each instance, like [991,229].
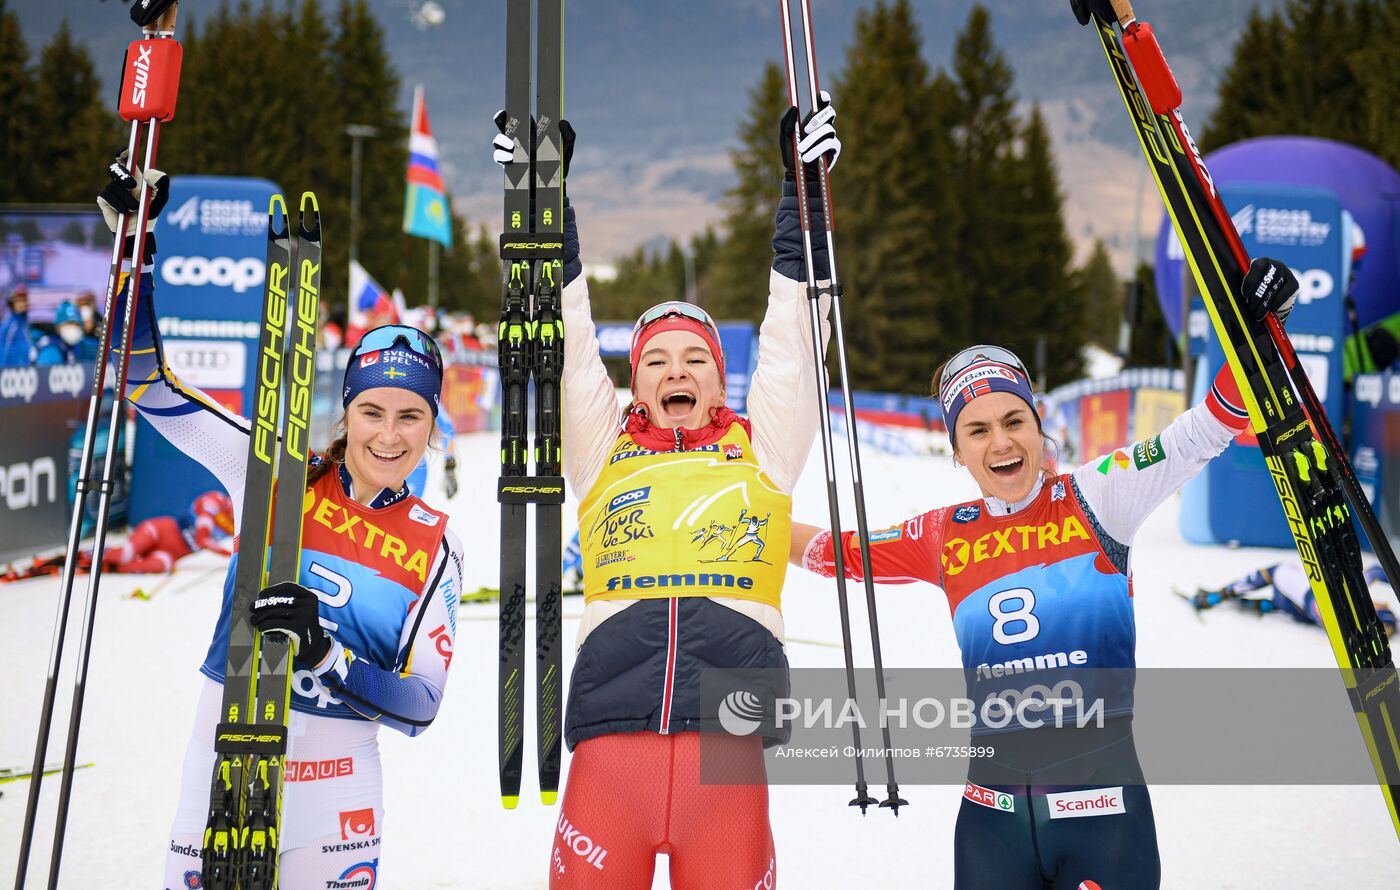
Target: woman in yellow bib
[684,518]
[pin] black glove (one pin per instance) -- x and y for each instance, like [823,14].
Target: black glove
[119,197]
[818,139]
[1270,286]
[145,12]
[1380,342]
[449,476]
[503,146]
[291,609]
[1083,9]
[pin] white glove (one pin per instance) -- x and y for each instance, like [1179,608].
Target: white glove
[819,134]
[120,195]
[503,146]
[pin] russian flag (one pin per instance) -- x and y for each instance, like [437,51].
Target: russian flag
[367,297]
[425,212]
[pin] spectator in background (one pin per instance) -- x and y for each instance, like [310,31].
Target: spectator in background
[332,331]
[16,339]
[67,344]
[87,309]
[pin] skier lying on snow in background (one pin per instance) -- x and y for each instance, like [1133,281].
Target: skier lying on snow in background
[1037,567]
[156,544]
[378,566]
[1289,592]
[677,459]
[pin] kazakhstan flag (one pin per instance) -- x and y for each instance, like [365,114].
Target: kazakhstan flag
[425,211]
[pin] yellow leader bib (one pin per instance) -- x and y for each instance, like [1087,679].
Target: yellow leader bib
[704,522]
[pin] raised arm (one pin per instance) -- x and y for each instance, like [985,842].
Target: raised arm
[783,401]
[1123,497]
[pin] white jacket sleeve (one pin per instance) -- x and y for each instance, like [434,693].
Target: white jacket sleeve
[783,401]
[1124,487]
[591,414]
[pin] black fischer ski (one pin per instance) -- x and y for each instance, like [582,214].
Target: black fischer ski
[531,346]
[546,367]
[1308,464]
[241,838]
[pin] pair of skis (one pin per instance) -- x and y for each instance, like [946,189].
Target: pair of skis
[815,292]
[149,87]
[250,743]
[531,351]
[1317,488]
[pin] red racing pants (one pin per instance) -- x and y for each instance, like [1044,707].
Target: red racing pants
[630,796]
[152,547]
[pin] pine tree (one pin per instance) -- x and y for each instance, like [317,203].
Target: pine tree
[1039,301]
[17,137]
[1248,105]
[984,135]
[895,207]
[365,90]
[1151,343]
[736,283]
[1302,71]
[77,133]
[1101,295]
[1376,66]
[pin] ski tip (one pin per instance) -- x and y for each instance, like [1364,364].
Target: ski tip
[276,202]
[309,198]
[549,797]
[510,801]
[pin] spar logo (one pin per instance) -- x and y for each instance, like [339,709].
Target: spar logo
[222,271]
[995,800]
[19,383]
[580,844]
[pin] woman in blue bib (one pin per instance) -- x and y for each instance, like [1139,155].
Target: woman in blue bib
[1037,580]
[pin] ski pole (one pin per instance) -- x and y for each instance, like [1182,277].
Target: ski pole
[893,800]
[814,295]
[1159,85]
[140,64]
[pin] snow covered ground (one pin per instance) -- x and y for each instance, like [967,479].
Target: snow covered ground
[444,823]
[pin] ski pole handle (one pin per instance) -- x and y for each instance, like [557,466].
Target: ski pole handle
[1124,10]
[166,22]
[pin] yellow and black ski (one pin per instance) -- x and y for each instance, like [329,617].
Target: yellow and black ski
[250,743]
[1316,487]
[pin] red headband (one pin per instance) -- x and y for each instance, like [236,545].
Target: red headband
[677,323]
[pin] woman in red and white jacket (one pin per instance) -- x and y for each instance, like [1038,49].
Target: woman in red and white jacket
[684,512]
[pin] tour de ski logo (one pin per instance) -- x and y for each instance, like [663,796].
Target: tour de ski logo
[625,520]
[734,540]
